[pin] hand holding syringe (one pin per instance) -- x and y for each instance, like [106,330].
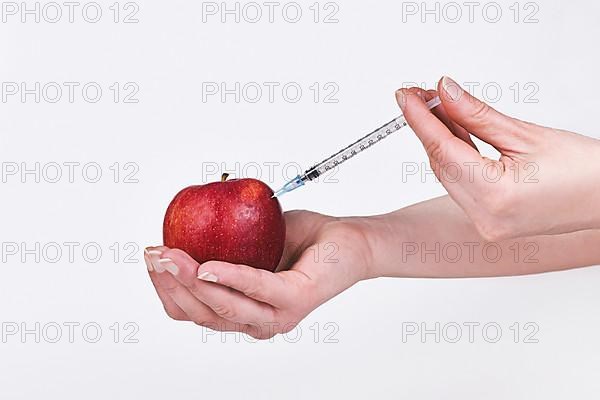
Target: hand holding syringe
[345,154]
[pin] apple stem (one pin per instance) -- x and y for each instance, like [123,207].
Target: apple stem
[224,177]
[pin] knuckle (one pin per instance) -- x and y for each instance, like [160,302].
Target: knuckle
[252,292]
[175,315]
[437,154]
[270,314]
[170,290]
[480,111]
[262,336]
[258,332]
[254,331]
[202,318]
[226,311]
[252,284]
[206,324]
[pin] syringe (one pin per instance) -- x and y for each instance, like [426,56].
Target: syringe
[348,152]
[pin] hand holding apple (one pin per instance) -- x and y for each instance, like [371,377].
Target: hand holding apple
[323,256]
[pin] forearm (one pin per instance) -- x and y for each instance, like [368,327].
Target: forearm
[435,238]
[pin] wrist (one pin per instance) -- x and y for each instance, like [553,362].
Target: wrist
[386,236]
[348,245]
[367,237]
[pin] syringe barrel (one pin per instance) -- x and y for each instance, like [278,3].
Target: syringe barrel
[311,174]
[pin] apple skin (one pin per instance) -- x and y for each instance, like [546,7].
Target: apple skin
[235,221]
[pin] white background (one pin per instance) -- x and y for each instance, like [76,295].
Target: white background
[172,135]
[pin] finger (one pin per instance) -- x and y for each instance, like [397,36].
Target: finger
[196,310]
[454,127]
[222,300]
[440,113]
[172,296]
[478,118]
[442,146]
[260,285]
[171,308]
[457,165]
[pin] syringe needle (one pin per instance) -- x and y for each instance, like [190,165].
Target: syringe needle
[350,151]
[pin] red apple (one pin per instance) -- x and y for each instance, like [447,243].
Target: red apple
[235,221]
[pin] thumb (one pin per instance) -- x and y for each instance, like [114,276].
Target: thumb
[451,157]
[442,146]
[478,118]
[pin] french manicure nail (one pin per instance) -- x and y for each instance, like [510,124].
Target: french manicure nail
[153,255]
[169,265]
[401,98]
[148,262]
[207,276]
[452,89]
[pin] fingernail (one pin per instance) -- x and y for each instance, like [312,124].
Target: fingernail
[153,255]
[452,89]
[401,98]
[207,276]
[169,265]
[147,260]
